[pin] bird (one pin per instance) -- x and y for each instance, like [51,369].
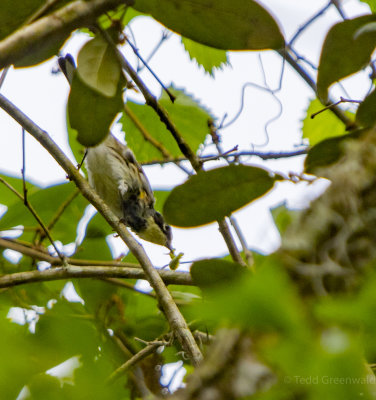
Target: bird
[117,177]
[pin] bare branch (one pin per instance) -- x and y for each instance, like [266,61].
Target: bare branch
[149,349]
[342,100]
[135,50]
[153,102]
[33,213]
[211,157]
[146,135]
[52,29]
[309,22]
[309,80]
[74,271]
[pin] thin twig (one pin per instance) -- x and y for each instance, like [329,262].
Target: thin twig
[221,155]
[145,352]
[178,278]
[211,157]
[247,253]
[342,100]
[153,102]
[38,254]
[34,214]
[135,50]
[227,236]
[303,27]
[23,168]
[146,135]
[337,5]
[3,76]
[149,138]
[173,315]
[309,80]
[165,35]
[223,226]
[126,285]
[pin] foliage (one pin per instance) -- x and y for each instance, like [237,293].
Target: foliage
[298,323]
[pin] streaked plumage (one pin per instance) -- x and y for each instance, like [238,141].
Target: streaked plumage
[120,181]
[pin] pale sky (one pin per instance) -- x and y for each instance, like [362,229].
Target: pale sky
[42,96]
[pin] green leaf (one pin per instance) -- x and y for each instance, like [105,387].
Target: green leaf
[264,301]
[211,272]
[13,13]
[223,24]
[7,197]
[371,3]
[324,126]
[283,217]
[188,115]
[344,52]
[327,152]
[94,245]
[211,195]
[365,115]
[90,113]
[47,202]
[207,57]
[99,67]
[160,196]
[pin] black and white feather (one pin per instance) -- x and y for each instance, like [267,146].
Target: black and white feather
[120,181]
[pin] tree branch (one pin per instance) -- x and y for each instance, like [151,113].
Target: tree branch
[33,213]
[43,255]
[153,102]
[146,135]
[211,157]
[149,349]
[52,29]
[309,80]
[74,271]
[176,321]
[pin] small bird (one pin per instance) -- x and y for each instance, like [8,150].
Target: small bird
[120,181]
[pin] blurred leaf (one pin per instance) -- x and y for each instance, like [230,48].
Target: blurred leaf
[142,317]
[365,115]
[90,113]
[124,14]
[212,272]
[207,57]
[46,387]
[45,50]
[224,24]
[371,3]
[344,53]
[352,311]
[327,152]
[341,369]
[283,216]
[95,292]
[99,67]
[190,118]
[47,203]
[212,195]
[264,302]
[323,126]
